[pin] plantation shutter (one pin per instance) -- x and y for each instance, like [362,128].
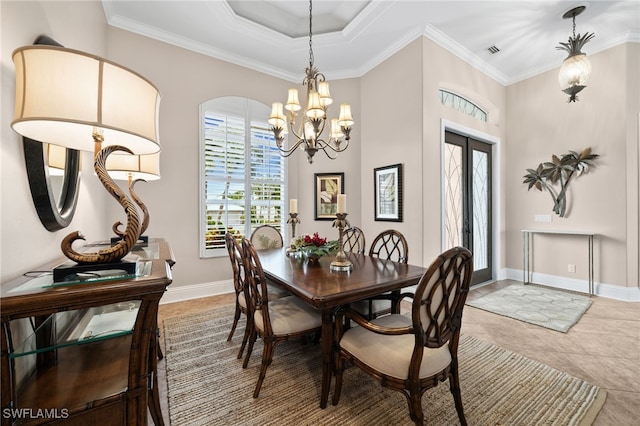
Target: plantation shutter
[244,177]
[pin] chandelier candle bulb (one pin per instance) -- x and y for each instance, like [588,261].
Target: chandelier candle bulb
[293,205]
[342,203]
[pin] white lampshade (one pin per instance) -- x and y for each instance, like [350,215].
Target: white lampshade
[314,107]
[63,95]
[325,96]
[125,166]
[293,104]
[277,117]
[345,119]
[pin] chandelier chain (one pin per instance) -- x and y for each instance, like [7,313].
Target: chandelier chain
[311,35]
[574,25]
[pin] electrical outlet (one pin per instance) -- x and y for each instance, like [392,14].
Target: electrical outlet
[571,268]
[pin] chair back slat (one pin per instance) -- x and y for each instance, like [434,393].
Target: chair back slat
[237,262]
[390,245]
[353,240]
[441,295]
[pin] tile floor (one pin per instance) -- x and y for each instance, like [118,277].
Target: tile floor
[603,348]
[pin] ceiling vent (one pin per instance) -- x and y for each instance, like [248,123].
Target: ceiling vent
[493,50]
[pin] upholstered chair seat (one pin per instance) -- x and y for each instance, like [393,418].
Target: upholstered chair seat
[288,315]
[391,355]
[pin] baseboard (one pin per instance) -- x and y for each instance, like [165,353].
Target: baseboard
[196,291]
[610,291]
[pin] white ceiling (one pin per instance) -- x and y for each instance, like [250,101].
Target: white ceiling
[351,37]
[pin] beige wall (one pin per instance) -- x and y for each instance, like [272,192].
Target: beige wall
[542,123]
[399,119]
[392,134]
[25,243]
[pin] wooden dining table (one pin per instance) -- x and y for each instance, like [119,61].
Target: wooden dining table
[326,290]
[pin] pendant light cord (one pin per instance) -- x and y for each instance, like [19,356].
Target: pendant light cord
[311,35]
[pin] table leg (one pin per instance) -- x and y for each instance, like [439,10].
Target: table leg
[327,355]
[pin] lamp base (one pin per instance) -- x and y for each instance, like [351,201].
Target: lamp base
[78,271]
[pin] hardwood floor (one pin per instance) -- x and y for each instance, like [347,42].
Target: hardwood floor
[603,348]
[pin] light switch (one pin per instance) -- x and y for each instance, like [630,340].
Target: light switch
[546,218]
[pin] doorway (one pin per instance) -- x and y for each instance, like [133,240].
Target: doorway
[467,201]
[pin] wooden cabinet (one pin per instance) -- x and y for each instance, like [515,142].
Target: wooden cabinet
[83,352]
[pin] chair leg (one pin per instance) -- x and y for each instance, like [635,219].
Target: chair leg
[415,407]
[267,357]
[252,339]
[236,317]
[245,338]
[454,386]
[339,369]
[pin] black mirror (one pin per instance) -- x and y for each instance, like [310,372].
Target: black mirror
[55,197]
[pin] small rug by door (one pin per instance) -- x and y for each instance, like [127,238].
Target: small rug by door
[555,309]
[208,386]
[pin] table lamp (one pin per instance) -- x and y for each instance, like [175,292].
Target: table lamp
[80,101]
[133,169]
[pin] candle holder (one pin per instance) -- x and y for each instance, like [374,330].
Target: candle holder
[293,220]
[341,263]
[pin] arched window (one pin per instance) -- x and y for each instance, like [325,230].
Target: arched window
[242,175]
[461,104]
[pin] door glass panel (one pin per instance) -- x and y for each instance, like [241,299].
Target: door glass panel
[480,210]
[453,196]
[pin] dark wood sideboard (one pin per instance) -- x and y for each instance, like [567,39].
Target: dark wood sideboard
[83,352]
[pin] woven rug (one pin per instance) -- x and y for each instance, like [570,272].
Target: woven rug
[554,309]
[208,386]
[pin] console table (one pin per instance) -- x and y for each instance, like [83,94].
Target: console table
[527,245]
[85,351]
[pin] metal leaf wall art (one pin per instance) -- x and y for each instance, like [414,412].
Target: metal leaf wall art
[560,170]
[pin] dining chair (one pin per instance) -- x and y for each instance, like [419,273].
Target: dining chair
[353,240]
[412,354]
[274,321]
[388,245]
[266,237]
[240,286]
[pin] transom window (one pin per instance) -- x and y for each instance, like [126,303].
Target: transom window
[242,175]
[462,104]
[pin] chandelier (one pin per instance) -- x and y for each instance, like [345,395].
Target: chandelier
[308,130]
[576,68]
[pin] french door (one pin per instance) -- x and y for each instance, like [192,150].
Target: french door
[467,198]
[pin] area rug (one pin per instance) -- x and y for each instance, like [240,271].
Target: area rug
[208,386]
[554,309]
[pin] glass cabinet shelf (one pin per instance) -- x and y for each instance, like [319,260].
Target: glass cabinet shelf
[72,328]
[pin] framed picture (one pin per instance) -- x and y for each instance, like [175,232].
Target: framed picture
[388,193]
[328,186]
